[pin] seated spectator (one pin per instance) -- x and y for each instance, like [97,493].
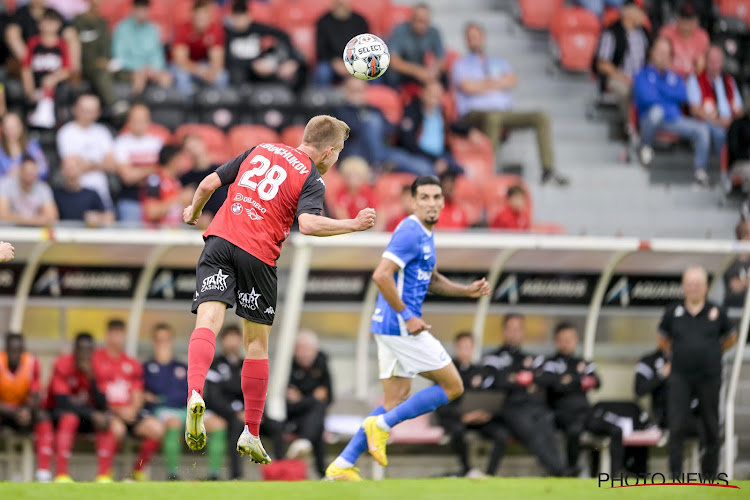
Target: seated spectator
[484,101]
[165,385]
[20,400]
[423,133]
[260,53]
[417,53]
[90,141]
[198,51]
[136,154]
[223,395]
[26,200]
[621,54]
[738,154]
[120,377]
[395,214]
[356,191]
[515,213]
[690,42]
[137,51]
[737,276]
[333,31]
[200,167]
[77,405]
[24,24]
[307,399]
[163,196]
[597,6]
[93,32]
[457,424]
[15,143]
[568,378]
[76,203]
[714,97]
[524,412]
[452,216]
[47,64]
[659,95]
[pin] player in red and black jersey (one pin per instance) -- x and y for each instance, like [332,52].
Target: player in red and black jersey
[77,405]
[47,62]
[269,185]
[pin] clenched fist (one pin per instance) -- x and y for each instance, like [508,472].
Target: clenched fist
[365,219]
[7,252]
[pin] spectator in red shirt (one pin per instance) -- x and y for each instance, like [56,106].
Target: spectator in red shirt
[453,216]
[515,213]
[163,197]
[46,65]
[120,377]
[20,402]
[77,405]
[198,51]
[356,192]
[690,42]
[395,214]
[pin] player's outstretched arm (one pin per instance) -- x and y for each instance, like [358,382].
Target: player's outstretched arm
[443,286]
[317,225]
[203,193]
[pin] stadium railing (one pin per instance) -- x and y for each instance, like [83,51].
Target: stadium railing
[490,254]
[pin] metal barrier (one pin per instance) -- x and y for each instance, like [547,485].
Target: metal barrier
[605,270]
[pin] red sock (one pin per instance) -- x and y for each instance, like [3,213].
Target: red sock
[67,427]
[44,435]
[201,350]
[106,447]
[148,448]
[254,387]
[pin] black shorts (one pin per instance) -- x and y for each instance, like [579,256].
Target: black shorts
[85,425]
[226,273]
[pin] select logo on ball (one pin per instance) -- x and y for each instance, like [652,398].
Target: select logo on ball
[366,57]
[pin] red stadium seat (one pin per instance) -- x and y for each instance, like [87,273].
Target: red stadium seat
[538,14]
[303,37]
[261,12]
[293,13]
[397,14]
[292,135]
[576,34]
[214,138]
[663,137]
[463,145]
[159,131]
[243,137]
[388,187]
[386,100]
[735,8]
[468,195]
[476,158]
[496,189]
[334,182]
[374,12]
[115,11]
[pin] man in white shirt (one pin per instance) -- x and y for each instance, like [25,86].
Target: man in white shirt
[136,157]
[90,141]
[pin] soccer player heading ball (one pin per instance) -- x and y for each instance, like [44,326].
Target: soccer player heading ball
[269,185]
[405,346]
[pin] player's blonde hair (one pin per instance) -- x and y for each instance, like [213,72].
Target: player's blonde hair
[323,131]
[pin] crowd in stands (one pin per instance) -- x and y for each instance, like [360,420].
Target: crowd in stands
[84,79]
[100,390]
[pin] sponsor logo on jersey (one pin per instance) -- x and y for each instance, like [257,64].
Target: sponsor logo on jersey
[269,310]
[248,199]
[237,208]
[253,214]
[423,275]
[249,300]
[216,281]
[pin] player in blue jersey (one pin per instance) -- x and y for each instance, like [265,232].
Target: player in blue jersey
[165,383]
[405,346]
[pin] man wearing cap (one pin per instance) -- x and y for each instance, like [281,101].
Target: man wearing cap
[690,42]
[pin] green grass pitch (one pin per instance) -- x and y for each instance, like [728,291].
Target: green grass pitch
[397,489]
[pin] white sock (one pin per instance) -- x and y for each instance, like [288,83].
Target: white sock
[343,463]
[381,423]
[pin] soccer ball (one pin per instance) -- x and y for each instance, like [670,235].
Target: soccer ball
[366,57]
